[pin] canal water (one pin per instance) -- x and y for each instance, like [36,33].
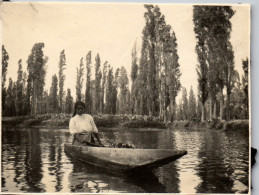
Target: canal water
[33,160]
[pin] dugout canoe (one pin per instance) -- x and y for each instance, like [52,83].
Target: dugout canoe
[123,159]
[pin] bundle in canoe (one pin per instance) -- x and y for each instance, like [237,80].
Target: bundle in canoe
[123,159]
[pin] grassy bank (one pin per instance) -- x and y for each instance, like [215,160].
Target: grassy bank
[236,125]
[124,121]
[105,120]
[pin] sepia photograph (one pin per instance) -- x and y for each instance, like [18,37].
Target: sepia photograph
[125,98]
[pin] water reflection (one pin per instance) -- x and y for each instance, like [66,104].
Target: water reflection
[33,160]
[215,176]
[188,164]
[86,178]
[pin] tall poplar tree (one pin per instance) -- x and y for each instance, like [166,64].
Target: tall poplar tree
[54,94]
[185,104]
[61,77]
[25,105]
[37,72]
[245,83]
[109,90]
[98,77]
[158,78]
[114,95]
[213,28]
[134,74]
[141,81]
[69,102]
[201,50]
[172,73]
[5,58]
[19,89]
[88,101]
[10,99]
[79,80]
[123,82]
[104,78]
[192,106]
[149,33]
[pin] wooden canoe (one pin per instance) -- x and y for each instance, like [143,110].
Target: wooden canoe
[123,159]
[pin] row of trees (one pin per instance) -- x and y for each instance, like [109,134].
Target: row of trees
[155,76]
[190,108]
[26,95]
[156,79]
[216,71]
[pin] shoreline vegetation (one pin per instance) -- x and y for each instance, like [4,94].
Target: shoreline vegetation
[222,92]
[58,121]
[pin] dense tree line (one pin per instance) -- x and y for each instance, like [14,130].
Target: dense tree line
[216,70]
[155,76]
[156,79]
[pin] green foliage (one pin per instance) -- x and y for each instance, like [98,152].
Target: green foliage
[61,77]
[79,80]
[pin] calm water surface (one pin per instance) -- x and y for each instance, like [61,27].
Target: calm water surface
[33,160]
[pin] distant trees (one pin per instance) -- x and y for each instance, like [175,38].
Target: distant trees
[19,90]
[109,90]
[187,107]
[104,78]
[88,101]
[61,77]
[54,94]
[69,102]
[185,104]
[97,87]
[192,115]
[10,99]
[79,80]
[124,101]
[5,58]
[134,75]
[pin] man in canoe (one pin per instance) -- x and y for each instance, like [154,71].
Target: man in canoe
[82,127]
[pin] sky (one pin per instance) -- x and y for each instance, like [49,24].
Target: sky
[109,29]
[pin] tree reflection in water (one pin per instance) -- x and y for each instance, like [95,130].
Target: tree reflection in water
[33,160]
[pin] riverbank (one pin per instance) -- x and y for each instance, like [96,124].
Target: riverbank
[236,125]
[103,121]
[61,121]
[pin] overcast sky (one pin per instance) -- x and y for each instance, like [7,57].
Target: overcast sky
[104,28]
